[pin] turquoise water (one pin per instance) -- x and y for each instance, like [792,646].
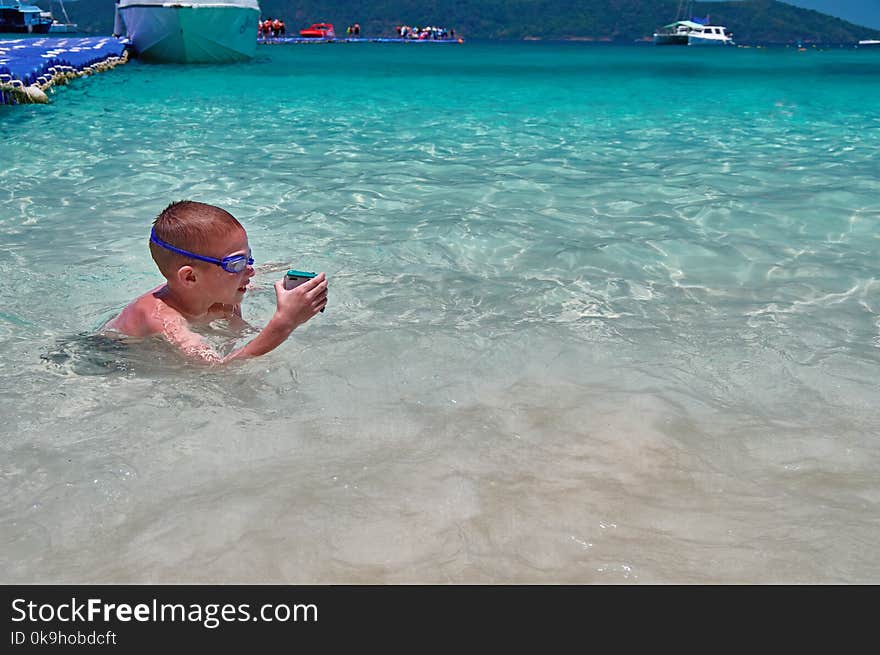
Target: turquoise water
[597,314]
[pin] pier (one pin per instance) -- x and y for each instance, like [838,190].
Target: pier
[281,40]
[30,67]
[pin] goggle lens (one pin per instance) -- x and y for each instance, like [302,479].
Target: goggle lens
[237,263]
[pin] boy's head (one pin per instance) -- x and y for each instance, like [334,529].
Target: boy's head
[192,226]
[216,258]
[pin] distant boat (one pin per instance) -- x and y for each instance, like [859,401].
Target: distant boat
[66,27]
[190,31]
[63,28]
[675,33]
[20,18]
[710,35]
[691,31]
[869,43]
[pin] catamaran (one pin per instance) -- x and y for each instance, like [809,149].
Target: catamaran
[691,31]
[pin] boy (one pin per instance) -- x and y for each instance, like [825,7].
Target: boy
[202,251]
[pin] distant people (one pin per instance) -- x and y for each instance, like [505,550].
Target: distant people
[276,28]
[357,29]
[426,33]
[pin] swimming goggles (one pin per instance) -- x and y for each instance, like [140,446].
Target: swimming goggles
[231,264]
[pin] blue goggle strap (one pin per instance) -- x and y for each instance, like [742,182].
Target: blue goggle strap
[211,260]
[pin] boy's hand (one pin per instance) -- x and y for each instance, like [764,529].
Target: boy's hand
[301,303]
[295,307]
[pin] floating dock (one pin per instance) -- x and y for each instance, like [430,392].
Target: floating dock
[281,40]
[29,67]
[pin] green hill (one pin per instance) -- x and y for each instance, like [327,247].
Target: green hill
[751,21]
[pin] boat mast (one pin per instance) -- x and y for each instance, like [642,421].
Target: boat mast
[685,9]
[64,11]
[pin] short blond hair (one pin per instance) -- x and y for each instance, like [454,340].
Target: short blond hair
[192,226]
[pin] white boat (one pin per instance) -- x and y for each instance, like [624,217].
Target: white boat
[869,43]
[695,31]
[190,31]
[675,33]
[710,35]
[65,27]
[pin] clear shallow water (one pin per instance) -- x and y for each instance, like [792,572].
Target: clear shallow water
[598,314]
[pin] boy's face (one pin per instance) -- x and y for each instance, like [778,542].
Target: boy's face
[220,285]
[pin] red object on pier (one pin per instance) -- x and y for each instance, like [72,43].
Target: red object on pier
[319,31]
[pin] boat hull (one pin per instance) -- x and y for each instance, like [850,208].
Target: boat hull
[63,28]
[701,41]
[670,39]
[201,34]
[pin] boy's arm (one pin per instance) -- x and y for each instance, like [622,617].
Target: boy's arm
[294,307]
[177,332]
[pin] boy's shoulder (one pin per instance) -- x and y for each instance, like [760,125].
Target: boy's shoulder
[146,316]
